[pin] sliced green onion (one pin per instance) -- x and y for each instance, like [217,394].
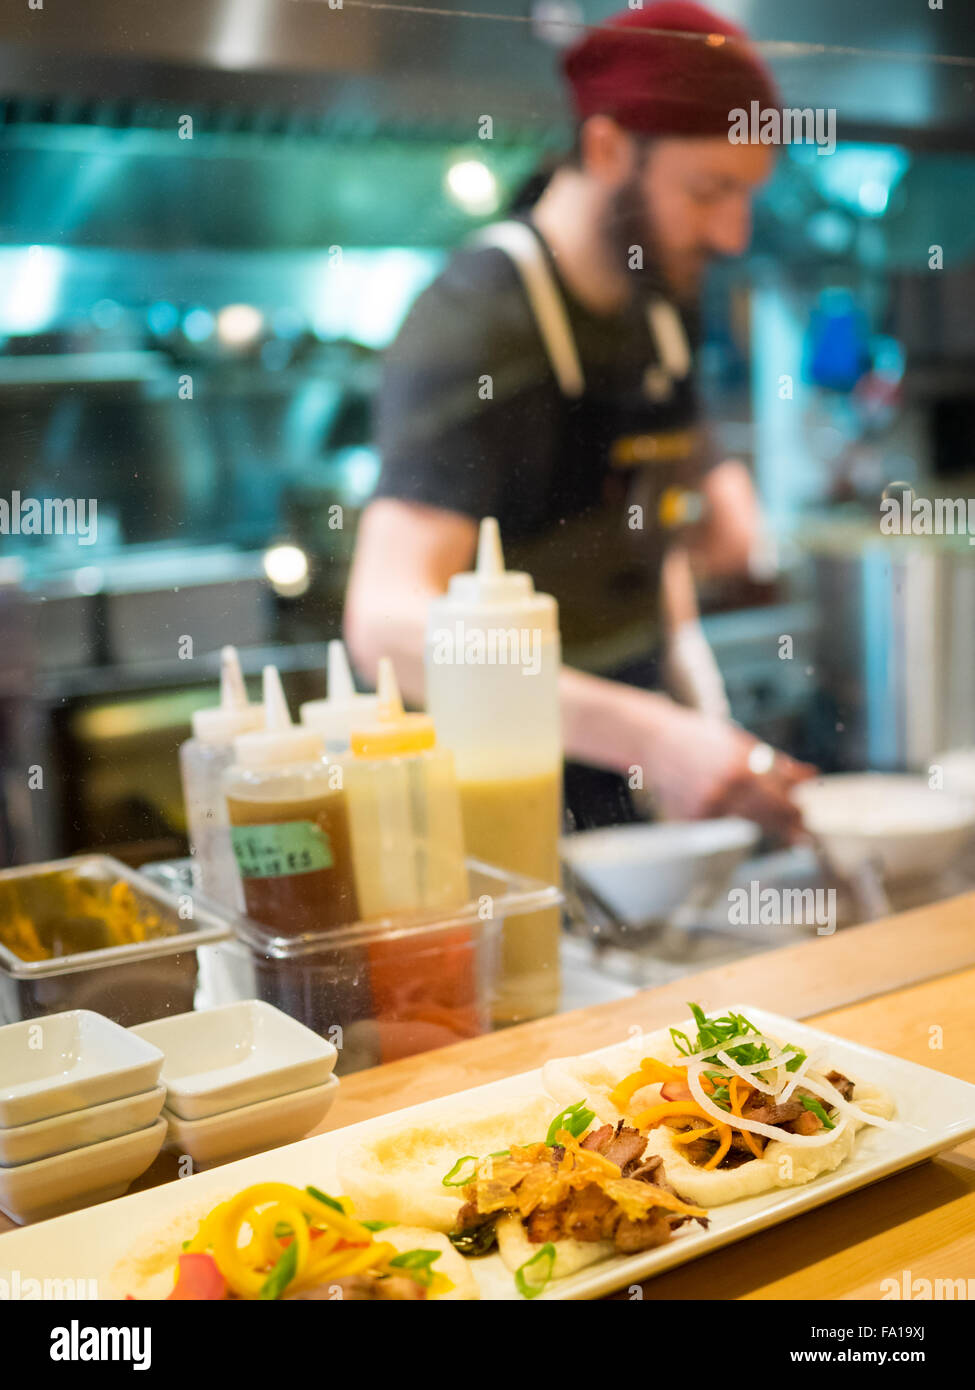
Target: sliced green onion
[377,1225]
[320,1196]
[575,1118]
[456,1178]
[417,1263]
[534,1274]
[811,1103]
[716,1032]
[282,1273]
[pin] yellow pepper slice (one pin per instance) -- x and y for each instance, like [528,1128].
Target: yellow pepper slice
[650,1073]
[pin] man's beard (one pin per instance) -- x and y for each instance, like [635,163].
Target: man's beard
[627,228]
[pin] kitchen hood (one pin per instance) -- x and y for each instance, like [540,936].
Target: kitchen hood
[891,66]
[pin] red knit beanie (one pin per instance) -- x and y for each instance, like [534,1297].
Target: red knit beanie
[683,82]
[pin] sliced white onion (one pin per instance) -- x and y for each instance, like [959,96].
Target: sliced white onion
[827,1091]
[785,1136]
[807,1064]
[750,1073]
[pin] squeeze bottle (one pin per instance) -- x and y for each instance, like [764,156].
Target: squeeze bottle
[409,858]
[342,708]
[405,813]
[492,666]
[289,824]
[203,760]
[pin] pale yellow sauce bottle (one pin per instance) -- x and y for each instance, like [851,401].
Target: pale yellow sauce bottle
[408,848]
[492,665]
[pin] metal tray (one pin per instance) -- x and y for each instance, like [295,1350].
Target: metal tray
[130,982]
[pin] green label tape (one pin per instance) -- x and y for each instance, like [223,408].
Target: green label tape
[277,851]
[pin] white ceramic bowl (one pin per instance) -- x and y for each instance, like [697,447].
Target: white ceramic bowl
[644,873]
[220,1059]
[896,823]
[96,1173]
[252,1128]
[68,1061]
[27,1143]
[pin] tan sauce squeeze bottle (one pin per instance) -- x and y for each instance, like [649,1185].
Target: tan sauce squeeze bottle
[492,671]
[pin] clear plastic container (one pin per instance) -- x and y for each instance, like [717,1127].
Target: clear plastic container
[447,968]
[320,978]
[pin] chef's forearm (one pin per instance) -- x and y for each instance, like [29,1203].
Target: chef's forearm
[678,593]
[607,724]
[405,554]
[396,630]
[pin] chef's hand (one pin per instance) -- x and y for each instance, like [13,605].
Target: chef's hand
[707,766]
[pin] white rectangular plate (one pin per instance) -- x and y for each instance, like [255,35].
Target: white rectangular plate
[938,1112]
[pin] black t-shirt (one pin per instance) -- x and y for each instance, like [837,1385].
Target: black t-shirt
[588,492]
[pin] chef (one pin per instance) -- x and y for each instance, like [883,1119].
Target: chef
[547,378]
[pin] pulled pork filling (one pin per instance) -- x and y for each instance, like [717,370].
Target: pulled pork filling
[792,1116]
[596,1189]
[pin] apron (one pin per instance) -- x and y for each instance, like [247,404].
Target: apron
[604,558]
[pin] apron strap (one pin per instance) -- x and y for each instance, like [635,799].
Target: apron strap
[664,324]
[667,331]
[523,248]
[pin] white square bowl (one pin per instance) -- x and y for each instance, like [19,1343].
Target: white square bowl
[52,1186]
[76,1128]
[68,1061]
[252,1128]
[239,1054]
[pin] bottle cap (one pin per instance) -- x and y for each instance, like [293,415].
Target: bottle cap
[280,742]
[343,707]
[234,715]
[491,594]
[395,732]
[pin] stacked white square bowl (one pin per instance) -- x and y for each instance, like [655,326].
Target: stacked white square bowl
[80,1099]
[239,1079]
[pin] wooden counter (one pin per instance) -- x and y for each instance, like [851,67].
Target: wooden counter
[902,985]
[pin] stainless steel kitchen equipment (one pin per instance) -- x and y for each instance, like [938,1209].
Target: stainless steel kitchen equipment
[894,660]
[70,938]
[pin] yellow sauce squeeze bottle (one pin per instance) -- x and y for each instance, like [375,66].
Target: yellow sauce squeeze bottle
[409,856]
[492,668]
[405,812]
